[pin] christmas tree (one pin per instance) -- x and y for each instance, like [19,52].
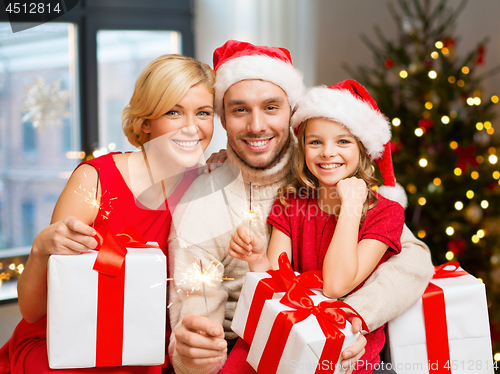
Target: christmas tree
[444,148]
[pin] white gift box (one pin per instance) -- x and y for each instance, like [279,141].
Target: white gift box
[467,327]
[247,294]
[72,308]
[304,345]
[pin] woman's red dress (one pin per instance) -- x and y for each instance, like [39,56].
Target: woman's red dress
[26,351]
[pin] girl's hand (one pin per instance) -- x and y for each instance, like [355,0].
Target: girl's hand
[69,236]
[245,245]
[352,192]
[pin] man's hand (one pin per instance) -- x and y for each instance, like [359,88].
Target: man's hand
[353,353]
[214,161]
[246,245]
[200,341]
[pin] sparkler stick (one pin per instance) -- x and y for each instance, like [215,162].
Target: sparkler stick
[204,289]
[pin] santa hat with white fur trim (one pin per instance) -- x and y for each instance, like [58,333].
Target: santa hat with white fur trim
[236,61]
[350,104]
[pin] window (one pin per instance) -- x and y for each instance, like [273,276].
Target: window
[55,65]
[38,124]
[121,56]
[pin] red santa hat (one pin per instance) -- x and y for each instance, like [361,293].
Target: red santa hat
[236,61]
[350,104]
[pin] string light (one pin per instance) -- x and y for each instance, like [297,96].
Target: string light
[445,119]
[453,114]
[439,44]
[480,233]
[450,231]
[73,155]
[493,159]
[490,131]
[453,145]
[435,55]
[465,70]
[111,146]
[494,99]
[470,101]
[445,50]
[460,83]
[485,204]
[451,79]
[403,74]
[496,175]
[477,101]
[411,188]
[449,255]
[432,74]
[475,239]
[497,356]
[480,159]
[487,125]
[470,194]
[474,175]
[419,132]
[428,105]
[421,234]
[479,126]
[422,162]
[422,201]
[437,181]
[459,205]
[396,122]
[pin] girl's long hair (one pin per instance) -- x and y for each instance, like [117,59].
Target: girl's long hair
[306,185]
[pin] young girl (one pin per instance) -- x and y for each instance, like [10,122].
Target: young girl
[330,218]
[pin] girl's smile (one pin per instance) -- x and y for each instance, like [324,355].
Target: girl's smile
[331,151]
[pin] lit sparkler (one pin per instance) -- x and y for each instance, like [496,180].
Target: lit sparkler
[91,197]
[199,277]
[251,215]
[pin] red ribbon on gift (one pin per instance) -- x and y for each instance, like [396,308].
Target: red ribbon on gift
[110,263]
[280,281]
[436,326]
[331,317]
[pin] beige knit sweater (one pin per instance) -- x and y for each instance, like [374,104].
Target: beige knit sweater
[215,205]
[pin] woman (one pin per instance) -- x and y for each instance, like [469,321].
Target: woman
[170,117]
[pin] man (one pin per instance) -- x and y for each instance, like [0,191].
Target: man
[256,91]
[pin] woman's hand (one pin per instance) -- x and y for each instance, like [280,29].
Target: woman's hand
[214,161]
[68,236]
[246,245]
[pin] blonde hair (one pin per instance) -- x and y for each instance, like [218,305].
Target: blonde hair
[306,185]
[161,85]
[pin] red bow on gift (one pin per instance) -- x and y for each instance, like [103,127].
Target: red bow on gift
[309,279]
[110,263]
[280,281]
[113,249]
[448,270]
[331,316]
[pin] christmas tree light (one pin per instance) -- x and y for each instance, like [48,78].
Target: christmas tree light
[442,122]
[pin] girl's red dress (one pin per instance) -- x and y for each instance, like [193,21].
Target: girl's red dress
[26,351]
[311,231]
